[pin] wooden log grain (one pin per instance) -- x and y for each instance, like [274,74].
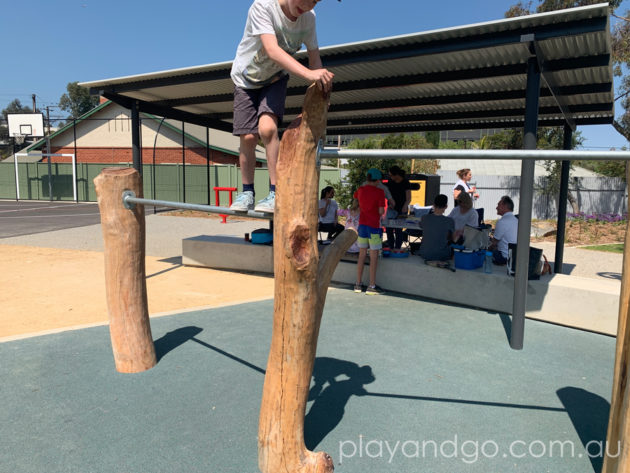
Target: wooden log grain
[617,448]
[125,283]
[301,283]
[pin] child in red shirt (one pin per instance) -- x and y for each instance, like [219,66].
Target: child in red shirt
[372,204]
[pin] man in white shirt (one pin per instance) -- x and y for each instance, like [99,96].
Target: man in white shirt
[505,232]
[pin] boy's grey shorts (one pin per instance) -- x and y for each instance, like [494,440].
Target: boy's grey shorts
[249,104]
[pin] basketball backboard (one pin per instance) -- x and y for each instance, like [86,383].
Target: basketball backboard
[27,124]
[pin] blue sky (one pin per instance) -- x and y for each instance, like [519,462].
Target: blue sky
[48,43]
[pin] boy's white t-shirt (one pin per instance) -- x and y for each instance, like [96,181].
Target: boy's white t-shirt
[252,68]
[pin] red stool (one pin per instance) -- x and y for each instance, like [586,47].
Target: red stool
[216,198]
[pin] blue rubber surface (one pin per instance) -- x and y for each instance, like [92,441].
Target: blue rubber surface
[400,385]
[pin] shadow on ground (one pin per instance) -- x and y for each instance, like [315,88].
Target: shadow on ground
[330,402]
[589,414]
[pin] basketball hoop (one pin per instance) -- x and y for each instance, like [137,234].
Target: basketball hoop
[19,139]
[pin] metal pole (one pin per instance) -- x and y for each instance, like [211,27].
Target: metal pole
[17,179]
[129,200]
[157,133]
[525,206]
[135,137]
[493,154]
[74,160]
[562,203]
[49,151]
[183,163]
[49,160]
[208,162]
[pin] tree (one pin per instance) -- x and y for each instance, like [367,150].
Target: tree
[77,101]
[357,168]
[620,47]
[16,106]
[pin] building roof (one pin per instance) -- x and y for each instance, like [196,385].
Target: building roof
[465,77]
[218,140]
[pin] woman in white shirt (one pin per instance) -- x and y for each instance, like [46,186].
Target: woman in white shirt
[463,215]
[328,218]
[465,175]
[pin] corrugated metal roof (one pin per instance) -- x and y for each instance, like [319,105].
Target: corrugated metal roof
[465,77]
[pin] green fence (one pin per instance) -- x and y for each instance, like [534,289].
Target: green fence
[173,182]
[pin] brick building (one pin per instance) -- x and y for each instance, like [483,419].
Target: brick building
[103,135]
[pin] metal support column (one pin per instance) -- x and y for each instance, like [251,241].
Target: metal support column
[183,163]
[135,137]
[525,206]
[76,160]
[562,203]
[208,162]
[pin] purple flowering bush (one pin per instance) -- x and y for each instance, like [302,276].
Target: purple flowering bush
[599,217]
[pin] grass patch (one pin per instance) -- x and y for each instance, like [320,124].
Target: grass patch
[611,248]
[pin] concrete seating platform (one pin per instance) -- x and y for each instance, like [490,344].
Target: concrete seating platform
[566,300]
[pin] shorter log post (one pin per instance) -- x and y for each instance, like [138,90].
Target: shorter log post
[125,282]
[617,448]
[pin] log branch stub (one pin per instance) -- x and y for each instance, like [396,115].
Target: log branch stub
[125,282]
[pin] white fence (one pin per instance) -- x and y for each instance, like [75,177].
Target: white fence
[593,194]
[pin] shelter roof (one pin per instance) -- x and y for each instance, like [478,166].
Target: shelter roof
[465,77]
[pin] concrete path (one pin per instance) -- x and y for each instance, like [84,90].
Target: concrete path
[164,235]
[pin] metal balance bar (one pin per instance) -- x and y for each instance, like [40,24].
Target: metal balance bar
[130,200]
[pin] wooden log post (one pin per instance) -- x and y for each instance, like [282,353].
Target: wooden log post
[125,283]
[617,448]
[301,283]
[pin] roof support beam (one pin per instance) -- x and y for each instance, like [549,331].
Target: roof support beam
[562,203]
[478,114]
[168,112]
[552,86]
[526,199]
[136,149]
[455,125]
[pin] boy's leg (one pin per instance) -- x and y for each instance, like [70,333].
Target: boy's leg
[270,113]
[246,127]
[373,260]
[247,157]
[376,243]
[268,130]
[360,264]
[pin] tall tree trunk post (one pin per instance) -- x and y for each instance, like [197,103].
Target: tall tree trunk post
[125,283]
[617,448]
[301,283]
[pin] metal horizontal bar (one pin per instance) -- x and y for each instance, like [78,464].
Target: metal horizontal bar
[130,200]
[510,154]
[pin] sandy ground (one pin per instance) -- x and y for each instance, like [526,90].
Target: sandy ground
[46,289]
[55,280]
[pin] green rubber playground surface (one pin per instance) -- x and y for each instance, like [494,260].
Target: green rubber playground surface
[400,385]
